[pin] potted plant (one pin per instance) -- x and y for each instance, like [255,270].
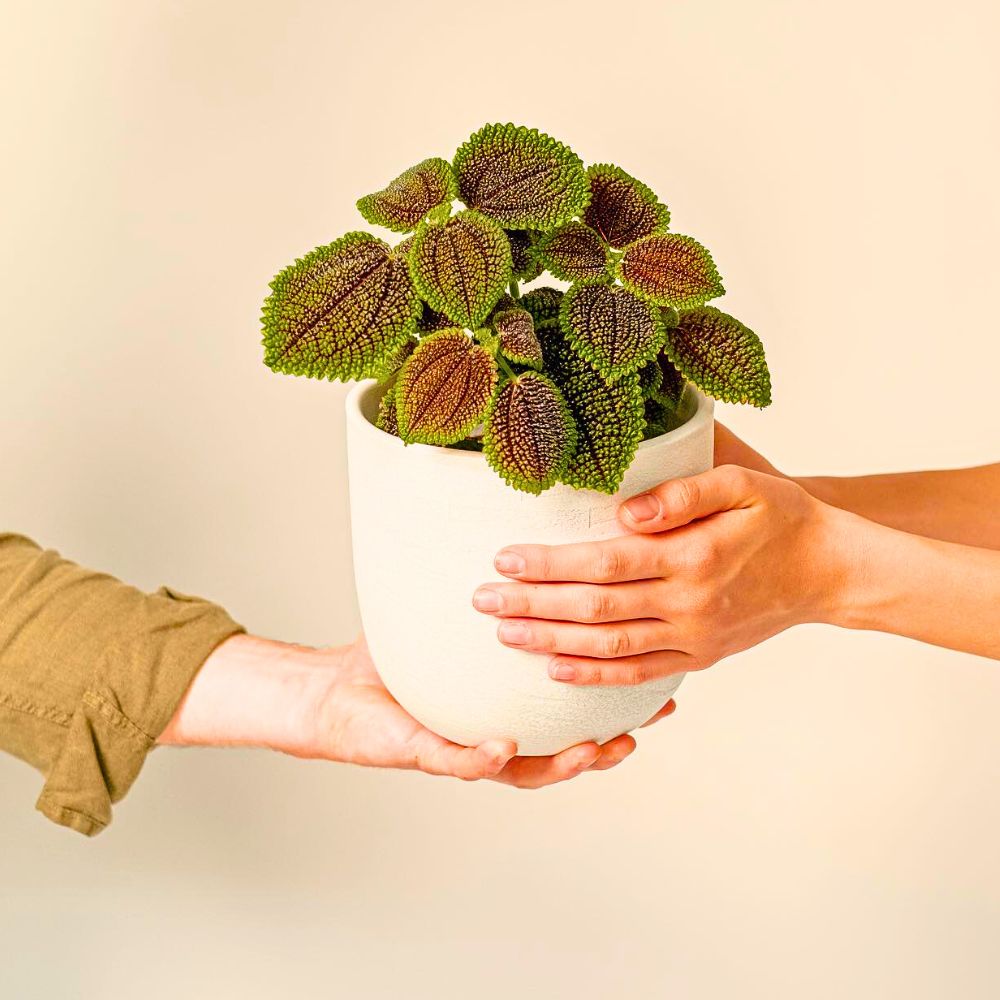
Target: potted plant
[490,415]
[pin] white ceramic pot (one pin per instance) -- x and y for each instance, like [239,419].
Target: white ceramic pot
[427,522]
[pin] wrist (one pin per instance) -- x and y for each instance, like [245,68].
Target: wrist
[254,692]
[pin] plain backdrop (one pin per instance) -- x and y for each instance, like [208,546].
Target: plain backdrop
[821,817]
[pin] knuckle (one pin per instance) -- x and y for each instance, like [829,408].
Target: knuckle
[611,564]
[682,495]
[615,643]
[735,477]
[598,606]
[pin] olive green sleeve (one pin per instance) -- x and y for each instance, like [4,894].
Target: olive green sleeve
[91,671]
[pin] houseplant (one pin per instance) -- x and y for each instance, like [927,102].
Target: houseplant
[581,394]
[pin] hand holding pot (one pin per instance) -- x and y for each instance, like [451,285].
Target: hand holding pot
[715,563]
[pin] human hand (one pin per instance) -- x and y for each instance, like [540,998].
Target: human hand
[713,564]
[330,704]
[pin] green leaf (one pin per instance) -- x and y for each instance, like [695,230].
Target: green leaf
[386,418]
[573,252]
[431,320]
[526,266]
[516,332]
[661,381]
[340,311]
[462,267]
[528,434]
[608,417]
[721,356]
[444,389]
[405,201]
[616,331]
[621,208]
[543,304]
[662,419]
[521,177]
[670,270]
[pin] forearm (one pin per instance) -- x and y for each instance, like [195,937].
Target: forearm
[937,592]
[255,692]
[960,505]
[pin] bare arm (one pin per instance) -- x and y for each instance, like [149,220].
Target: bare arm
[956,505]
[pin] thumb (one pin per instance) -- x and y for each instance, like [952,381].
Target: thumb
[679,501]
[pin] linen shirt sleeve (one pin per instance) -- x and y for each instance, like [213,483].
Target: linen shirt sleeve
[91,672]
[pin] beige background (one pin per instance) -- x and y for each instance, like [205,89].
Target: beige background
[821,818]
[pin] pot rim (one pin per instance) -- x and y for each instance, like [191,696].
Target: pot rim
[363,391]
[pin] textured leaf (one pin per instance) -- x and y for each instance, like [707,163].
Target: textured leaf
[662,419]
[386,419]
[661,381]
[616,331]
[670,270]
[405,201]
[526,266]
[395,361]
[444,389]
[608,417]
[621,208]
[521,177]
[543,304]
[431,320]
[339,311]
[462,267]
[721,356]
[528,434]
[402,248]
[518,341]
[573,252]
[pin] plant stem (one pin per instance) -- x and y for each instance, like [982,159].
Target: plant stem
[508,371]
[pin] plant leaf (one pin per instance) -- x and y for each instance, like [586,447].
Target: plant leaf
[661,419]
[616,331]
[608,417]
[340,311]
[543,304]
[721,356]
[573,252]
[431,320]
[462,267]
[622,209]
[444,389]
[393,362]
[386,418]
[670,270]
[521,177]
[406,200]
[528,434]
[526,267]
[661,381]
[518,341]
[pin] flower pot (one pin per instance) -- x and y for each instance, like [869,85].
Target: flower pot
[427,522]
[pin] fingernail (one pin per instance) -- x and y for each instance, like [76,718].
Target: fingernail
[562,672]
[509,562]
[486,600]
[642,508]
[514,633]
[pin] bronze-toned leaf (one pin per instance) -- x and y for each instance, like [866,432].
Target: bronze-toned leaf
[616,331]
[621,208]
[386,419]
[543,304]
[521,177]
[516,332]
[670,270]
[404,202]
[444,389]
[462,267]
[573,252]
[661,381]
[526,267]
[340,311]
[528,434]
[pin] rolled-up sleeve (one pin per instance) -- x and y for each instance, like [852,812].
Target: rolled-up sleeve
[91,672]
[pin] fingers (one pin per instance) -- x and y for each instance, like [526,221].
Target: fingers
[668,709]
[537,772]
[617,560]
[438,756]
[572,602]
[606,641]
[627,671]
[679,501]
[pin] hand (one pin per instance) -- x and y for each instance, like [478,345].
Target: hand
[713,564]
[331,704]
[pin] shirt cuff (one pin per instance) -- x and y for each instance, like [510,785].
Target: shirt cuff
[135,689]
